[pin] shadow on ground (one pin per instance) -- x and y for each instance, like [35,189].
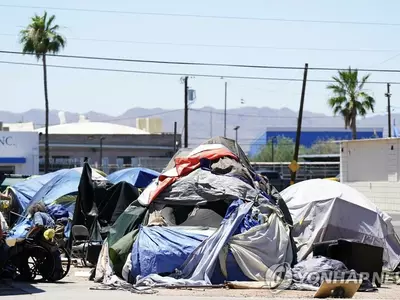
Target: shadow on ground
[8,288]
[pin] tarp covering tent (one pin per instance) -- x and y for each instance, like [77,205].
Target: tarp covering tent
[57,191]
[235,220]
[324,210]
[138,177]
[100,202]
[41,186]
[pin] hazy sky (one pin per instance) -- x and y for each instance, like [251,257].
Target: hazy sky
[154,37]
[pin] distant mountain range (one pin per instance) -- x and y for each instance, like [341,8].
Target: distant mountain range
[205,122]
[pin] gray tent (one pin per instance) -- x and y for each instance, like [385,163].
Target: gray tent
[324,210]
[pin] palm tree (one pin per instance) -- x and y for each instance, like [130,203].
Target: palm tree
[349,98]
[39,38]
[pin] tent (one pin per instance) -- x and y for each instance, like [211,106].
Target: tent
[48,187]
[324,210]
[207,218]
[138,177]
[99,203]
[57,191]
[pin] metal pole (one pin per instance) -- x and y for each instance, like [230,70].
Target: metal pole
[226,99]
[175,135]
[389,113]
[294,166]
[236,132]
[101,152]
[186,113]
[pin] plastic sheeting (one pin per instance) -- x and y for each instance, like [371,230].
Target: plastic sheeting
[159,250]
[138,177]
[325,210]
[200,185]
[24,191]
[50,187]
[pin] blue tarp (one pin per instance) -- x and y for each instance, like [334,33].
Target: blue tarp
[138,177]
[25,190]
[160,250]
[47,188]
[201,267]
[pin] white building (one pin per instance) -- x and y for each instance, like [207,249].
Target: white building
[19,152]
[373,168]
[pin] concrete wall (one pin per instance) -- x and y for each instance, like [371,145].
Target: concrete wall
[373,167]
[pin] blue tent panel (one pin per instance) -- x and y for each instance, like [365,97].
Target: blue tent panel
[138,177]
[160,250]
[25,190]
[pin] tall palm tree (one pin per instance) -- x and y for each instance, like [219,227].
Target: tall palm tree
[40,38]
[349,98]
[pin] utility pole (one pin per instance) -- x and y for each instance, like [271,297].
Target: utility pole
[294,166]
[388,94]
[101,152]
[226,99]
[186,112]
[175,135]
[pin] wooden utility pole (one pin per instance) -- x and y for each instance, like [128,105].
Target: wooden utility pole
[388,110]
[294,165]
[186,112]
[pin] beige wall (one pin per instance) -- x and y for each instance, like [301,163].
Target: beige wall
[372,167]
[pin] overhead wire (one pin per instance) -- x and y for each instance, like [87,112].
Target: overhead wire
[183,73]
[225,45]
[186,63]
[221,17]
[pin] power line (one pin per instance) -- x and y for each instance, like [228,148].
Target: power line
[226,46]
[202,16]
[180,74]
[165,62]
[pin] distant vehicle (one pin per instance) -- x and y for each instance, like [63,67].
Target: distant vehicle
[10,179]
[275,179]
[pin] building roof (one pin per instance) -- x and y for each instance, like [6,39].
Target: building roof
[95,128]
[370,140]
[27,126]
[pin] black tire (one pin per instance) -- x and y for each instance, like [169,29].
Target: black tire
[42,263]
[66,254]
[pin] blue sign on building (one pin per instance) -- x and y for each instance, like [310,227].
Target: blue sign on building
[310,136]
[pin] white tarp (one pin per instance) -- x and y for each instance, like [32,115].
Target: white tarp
[324,210]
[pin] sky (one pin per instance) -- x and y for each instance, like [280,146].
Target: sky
[240,39]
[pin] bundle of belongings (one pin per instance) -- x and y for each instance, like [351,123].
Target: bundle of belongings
[206,219]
